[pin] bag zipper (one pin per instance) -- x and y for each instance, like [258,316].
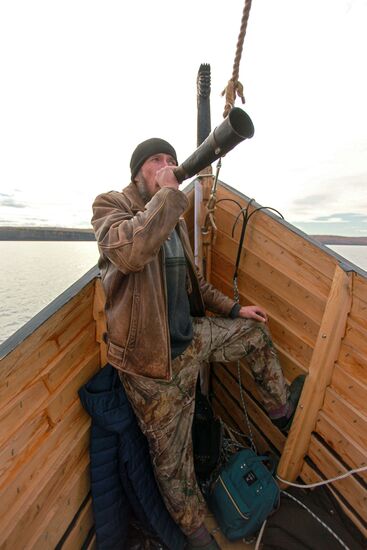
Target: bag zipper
[244,516]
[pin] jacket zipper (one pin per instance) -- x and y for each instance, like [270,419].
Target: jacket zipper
[244,516]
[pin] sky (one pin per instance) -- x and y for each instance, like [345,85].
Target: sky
[84,81]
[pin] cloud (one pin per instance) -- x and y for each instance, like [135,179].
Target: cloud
[12,203]
[36,220]
[26,222]
[338,223]
[15,191]
[330,219]
[329,197]
[82,223]
[312,200]
[352,217]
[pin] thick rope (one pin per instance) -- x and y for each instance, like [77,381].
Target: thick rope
[234,86]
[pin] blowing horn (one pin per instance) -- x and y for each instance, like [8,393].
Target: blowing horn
[236,127]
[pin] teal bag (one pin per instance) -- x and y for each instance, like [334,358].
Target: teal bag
[244,495]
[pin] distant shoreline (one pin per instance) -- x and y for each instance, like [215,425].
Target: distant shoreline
[46,234]
[336,239]
[8,233]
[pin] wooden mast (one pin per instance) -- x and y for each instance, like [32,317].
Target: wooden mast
[203,185]
[204,182]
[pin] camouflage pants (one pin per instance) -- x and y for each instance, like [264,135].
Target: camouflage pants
[165,409]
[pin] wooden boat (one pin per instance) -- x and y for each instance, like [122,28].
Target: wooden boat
[317,304]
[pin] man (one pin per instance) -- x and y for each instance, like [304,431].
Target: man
[158,333]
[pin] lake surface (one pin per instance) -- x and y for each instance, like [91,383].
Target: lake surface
[33,273]
[354,253]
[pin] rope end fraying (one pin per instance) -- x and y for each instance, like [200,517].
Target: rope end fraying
[232,89]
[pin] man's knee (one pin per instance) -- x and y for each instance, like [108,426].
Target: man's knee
[255,330]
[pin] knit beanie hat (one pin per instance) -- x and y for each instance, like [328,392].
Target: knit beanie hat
[148,148]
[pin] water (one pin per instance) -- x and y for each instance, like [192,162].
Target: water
[34,273]
[354,253]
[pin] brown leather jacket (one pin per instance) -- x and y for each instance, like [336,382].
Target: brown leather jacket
[130,236]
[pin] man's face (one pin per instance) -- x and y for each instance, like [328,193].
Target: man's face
[149,169]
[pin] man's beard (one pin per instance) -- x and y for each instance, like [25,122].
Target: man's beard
[142,188]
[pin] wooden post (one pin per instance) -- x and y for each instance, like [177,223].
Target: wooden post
[204,183]
[202,193]
[203,187]
[100,319]
[325,354]
[206,231]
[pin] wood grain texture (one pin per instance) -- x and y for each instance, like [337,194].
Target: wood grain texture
[309,475]
[282,334]
[320,372]
[349,487]
[99,316]
[341,442]
[350,420]
[350,389]
[269,226]
[25,363]
[81,529]
[69,499]
[44,460]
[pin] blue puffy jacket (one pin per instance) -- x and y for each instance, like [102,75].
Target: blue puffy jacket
[122,478]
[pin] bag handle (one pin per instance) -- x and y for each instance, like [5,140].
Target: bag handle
[263,458]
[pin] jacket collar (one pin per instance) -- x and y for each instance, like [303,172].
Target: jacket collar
[133,195]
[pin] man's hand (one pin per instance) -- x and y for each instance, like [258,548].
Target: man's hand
[165,177]
[253,312]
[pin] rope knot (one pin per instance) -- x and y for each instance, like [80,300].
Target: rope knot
[233,88]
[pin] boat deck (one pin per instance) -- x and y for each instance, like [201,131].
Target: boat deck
[225,544]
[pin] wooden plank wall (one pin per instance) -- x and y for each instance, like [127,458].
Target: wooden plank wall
[44,431]
[296,282]
[339,441]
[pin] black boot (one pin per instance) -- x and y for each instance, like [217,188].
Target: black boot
[295,389]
